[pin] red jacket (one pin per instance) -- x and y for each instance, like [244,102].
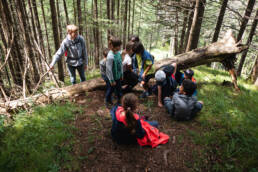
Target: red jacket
[152,137]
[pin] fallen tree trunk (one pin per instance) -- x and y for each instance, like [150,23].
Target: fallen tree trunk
[54,94]
[216,52]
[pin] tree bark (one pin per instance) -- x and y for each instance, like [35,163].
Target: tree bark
[250,37]
[182,38]
[96,33]
[32,21]
[46,31]
[7,34]
[215,52]
[59,21]
[26,37]
[129,16]
[189,24]
[176,34]
[79,16]
[196,25]
[125,23]
[117,12]
[66,13]
[108,17]
[245,18]
[133,17]
[112,11]
[74,12]
[41,41]
[220,20]
[56,38]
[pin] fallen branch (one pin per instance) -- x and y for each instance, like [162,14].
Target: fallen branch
[48,66]
[8,52]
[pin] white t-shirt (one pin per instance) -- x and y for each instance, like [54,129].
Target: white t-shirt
[127,61]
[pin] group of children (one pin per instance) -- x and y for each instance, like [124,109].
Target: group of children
[135,65]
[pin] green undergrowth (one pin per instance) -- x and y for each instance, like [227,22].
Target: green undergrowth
[229,130]
[39,141]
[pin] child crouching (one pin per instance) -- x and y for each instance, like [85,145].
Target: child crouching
[184,106]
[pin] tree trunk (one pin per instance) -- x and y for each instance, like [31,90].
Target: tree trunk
[133,16]
[117,12]
[96,33]
[74,12]
[183,32]
[189,24]
[215,52]
[32,21]
[79,16]
[176,34]
[41,41]
[139,22]
[129,16]
[66,13]
[26,37]
[113,11]
[7,34]
[46,31]
[245,18]
[250,37]
[59,21]
[220,20]
[125,23]
[56,38]
[108,17]
[87,38]
[5,68]
[196,25]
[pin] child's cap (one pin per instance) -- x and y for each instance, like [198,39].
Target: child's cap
[189,72]
[160,76]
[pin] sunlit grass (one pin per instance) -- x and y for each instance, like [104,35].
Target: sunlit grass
[229,120]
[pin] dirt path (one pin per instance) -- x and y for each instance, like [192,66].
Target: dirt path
[98,152]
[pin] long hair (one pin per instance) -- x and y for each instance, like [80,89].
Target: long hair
[129,103]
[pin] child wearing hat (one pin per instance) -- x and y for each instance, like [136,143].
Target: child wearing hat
[165,83]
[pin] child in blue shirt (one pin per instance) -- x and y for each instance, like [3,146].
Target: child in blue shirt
[143,62]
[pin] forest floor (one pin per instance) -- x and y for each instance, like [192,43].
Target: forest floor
[98,152]
[74,134]
[222,137]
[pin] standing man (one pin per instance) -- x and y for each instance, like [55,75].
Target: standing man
[73,46]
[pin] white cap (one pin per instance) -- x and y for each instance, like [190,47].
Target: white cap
[160,76]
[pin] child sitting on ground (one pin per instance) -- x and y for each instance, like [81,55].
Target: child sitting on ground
[184,106]
[128,127]
[102,65]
